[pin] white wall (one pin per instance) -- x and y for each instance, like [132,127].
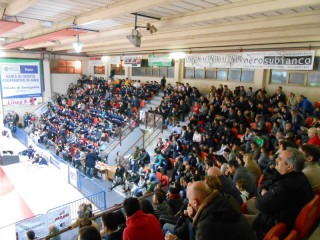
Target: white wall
[60,82]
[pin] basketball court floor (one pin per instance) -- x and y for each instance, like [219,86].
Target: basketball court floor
[27,190]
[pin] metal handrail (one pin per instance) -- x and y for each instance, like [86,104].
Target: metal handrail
[153,125]
[107,151]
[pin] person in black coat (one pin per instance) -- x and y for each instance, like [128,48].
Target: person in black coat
[284,199]
[214,217]
[91,159]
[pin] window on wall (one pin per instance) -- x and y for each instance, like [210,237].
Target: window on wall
[313,79]
[119,69]
[279,77]
[66,66]
[302,78]
[148,71]
[189,72]
[99,70]
[153,71]
[238,75]
[211,74]
[295,77]
[247,75]
[234,75]
[199,73]
[222,74]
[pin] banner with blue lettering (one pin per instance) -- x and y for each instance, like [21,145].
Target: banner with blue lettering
[21,79]
[286,60]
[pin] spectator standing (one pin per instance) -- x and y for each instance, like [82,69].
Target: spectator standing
[91,159]
[163,83]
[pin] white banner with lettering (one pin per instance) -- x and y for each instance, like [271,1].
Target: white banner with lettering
[291,60]
[60,218]
[133,61]
[111,59]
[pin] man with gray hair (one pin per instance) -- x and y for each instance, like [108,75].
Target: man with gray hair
[288,194]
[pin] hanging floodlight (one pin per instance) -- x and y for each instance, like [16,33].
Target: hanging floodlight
[77,45]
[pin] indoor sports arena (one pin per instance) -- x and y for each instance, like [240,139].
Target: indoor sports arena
[190,117]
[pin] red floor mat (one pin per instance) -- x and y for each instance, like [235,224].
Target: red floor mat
[11,204]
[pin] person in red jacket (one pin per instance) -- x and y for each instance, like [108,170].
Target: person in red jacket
[140,225]
[313,137]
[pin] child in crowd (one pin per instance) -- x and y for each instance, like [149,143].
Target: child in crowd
[242,185]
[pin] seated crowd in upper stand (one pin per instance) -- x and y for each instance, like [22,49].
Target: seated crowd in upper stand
[214,162]
[93,111]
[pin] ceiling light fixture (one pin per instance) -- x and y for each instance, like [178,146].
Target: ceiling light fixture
[2,39]
[77,45]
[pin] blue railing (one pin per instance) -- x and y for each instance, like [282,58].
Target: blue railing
[98,199]
[94,192]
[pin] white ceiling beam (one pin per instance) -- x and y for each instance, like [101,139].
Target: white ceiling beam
[238,9]
[290,35]
[18,6]
[242,26]
[118,10]
[301,42]
[229,10]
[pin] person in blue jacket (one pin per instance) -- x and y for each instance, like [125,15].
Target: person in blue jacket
[305,106]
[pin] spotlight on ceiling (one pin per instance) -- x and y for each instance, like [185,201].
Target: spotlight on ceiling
[151,28]
[77,45]
[135,38]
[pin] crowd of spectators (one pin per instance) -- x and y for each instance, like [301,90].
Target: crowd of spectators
[93,111]
[235,145]
[240,144]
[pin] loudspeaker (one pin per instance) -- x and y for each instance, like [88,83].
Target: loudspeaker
[9,159]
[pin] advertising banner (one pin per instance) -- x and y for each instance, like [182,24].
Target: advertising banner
[20,78]
[96,61]
[159,61]
[111,59]
[73,176]
[133,61]
[286,60]
[60,218]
